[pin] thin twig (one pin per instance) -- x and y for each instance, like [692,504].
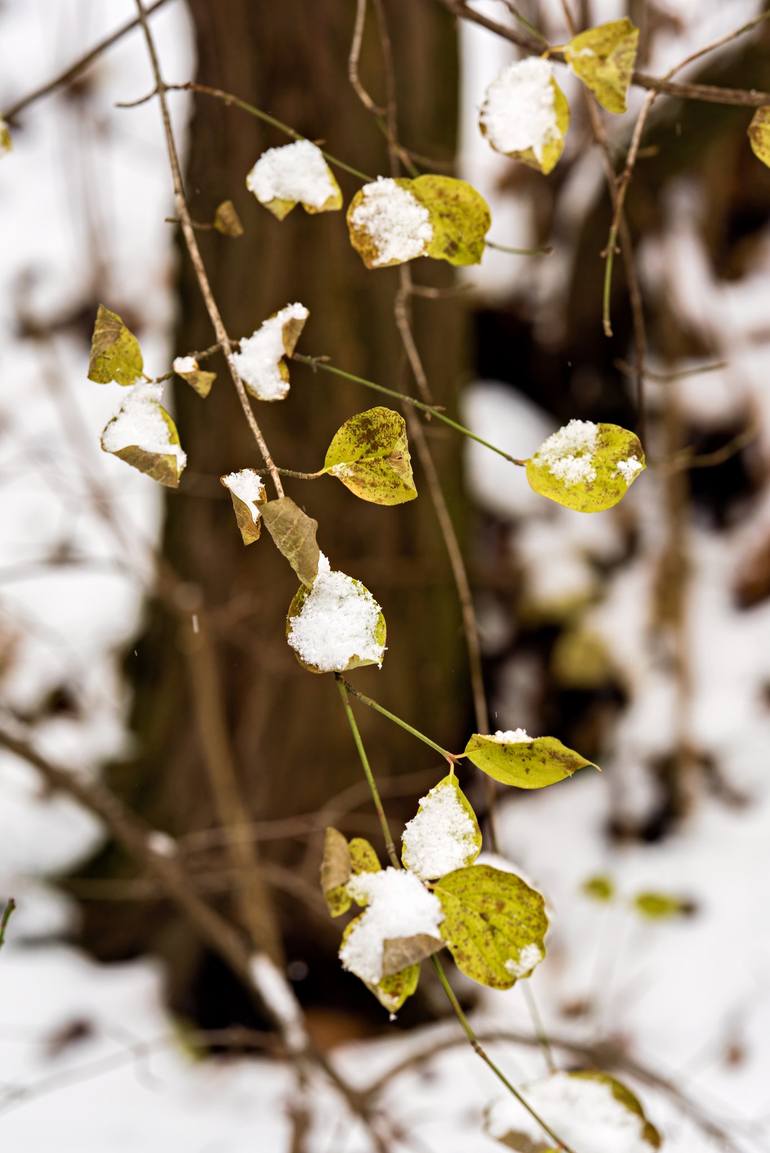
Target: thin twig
[377,707]
[5,917]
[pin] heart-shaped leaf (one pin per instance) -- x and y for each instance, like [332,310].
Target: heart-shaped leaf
[586,467]
[294,174]
[604,58]
[444,835]
[759,134]
[294,535]
[369,454]
[115,352]
[143,435]
[247,492]
[336,625]
[525,114]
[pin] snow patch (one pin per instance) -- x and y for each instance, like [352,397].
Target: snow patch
[276,992]
[183,364]
[395,221]
[258,362]
[295,172]
[139,422]
[629,468]
[441,837]
[336,623]
[530,956]
[519,110]
[568,453]
[248,486]
[512,737]
[399,905]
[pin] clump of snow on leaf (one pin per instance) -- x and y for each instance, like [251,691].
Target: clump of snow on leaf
[629,468]
[398,905]
[140,423]
[295,172]
[519,111]
[584,1113]
[337,622]
[260,358]
[183,364]
[395,221]
[568,453]
[530,956]
[248,486]
[441,837]
[511,736]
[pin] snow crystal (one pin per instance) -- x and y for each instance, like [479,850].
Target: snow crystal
[183,364]
[511,736]
[441,837]
[518,112]
[567,454]
[397,224]
[336,623]
[276,992]
[247,485]
[582,1112]
[529,956]
[629,468]
[140,423]
[260,355]
[292,172]
[399,905]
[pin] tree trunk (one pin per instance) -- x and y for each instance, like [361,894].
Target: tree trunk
[292,748]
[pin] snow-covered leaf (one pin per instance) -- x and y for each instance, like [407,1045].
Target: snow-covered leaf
[294,174]
[459,216]
[604,58]
[247,492]
[294,535]
[444,835]
[336,624]
[657,906]
[343,859]
[392,221]
[370,455]
[260,362]
[759,134]
[400,910]
[115,352]
[227,221]
[525,114]
[143,435]
[191,373]
[589,1110]
[586,467]
[6,144]
[494,924]
[514,758]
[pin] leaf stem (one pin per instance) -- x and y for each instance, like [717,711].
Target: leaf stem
[317,362]
[482,1053]
[390,847]
[378,708]
[545,250]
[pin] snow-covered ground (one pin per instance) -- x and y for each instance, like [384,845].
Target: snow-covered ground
[89,1058]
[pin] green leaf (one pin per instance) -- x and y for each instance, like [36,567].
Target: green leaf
[525,764]
[335,872]
[494,924]
[6,144]
[160,456]
[363,858]
[444,835]
[369,454]
[656,906]
[227,221]
[115,352]
[599,888]
[393,221]
[294,535]
[586,467]
[759,134]
[356,661]
[392,991]
[247,493]
[604,58]
[459,215]
[503,91]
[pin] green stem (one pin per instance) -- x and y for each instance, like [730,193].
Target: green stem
[5,918]
[265,117]
[390,847]
[546,250]
[539,1027]
[316,362]
[378,708]
[482,1053]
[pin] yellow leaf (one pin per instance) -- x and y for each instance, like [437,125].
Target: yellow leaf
[586,467]
[759,134]
[604,58]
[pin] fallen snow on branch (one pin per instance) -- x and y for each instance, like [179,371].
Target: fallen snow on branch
[399,905]
[336,624]
[260,360]
[139,423]
[295,172]
[397,224]
[519,112]
[441,837]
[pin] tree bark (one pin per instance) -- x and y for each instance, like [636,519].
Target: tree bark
[292,749]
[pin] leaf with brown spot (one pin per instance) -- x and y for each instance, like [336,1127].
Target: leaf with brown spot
[369,454]
[294,535]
